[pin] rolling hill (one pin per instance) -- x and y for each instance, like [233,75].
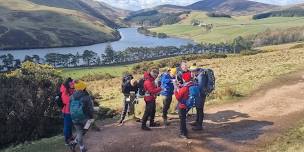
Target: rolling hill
[235,7]
[107,14]
[24,24]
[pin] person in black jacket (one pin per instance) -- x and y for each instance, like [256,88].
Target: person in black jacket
[129,89]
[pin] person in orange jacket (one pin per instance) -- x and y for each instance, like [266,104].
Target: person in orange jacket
[151,92]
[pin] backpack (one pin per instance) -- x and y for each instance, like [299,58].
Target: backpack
[76,110]
[194,96]
[141,89]
[126,78]
[211,81]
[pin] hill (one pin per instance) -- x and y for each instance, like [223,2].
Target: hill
[235,7]
[107,14]
[24,24]
[225,29]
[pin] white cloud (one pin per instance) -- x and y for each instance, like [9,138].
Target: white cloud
[140,4]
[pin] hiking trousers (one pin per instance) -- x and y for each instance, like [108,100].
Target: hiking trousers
[167,100]
[67,128]
[79,134]
[200,112]
[183,126]
[128,107]
[149,113]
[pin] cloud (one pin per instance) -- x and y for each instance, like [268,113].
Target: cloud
[141,4]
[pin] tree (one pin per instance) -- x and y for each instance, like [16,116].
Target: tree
[109,55]
[52,58]
[8,61]
[36,58]
[89,57]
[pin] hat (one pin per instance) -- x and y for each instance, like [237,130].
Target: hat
[80,85]
[186,76]
[173,71]
[193,68]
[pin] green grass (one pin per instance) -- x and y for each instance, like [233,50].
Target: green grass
[77,73]
[292,141]
[54,144]
[225,29]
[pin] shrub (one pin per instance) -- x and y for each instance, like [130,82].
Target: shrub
[297,46]
[95,77]
[26,108]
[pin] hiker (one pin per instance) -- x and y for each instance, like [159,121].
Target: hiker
[81,107]
[129,90]
[151,92]
[66,90]
[182,95]
[201,77]
[183,68]
[167,91]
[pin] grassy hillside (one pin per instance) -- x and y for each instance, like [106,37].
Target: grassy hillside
[236,7]
[107,14]
[225,29]
[41,26]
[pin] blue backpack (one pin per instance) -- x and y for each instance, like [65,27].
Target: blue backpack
[194,96]
[76,110]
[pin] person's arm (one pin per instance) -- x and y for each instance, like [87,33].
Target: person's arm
[152,89]
[88,106]
[180,94]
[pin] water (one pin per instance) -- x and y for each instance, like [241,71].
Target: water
[130,38]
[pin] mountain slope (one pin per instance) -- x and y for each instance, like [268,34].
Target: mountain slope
[107,14]
[235,7]
[27,25]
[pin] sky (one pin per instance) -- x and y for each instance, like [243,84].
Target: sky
[141,4]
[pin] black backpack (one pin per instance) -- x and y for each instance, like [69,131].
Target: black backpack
[141,89]
[126,78]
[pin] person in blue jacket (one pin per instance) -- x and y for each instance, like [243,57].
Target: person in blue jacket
[200,77]
[167,86]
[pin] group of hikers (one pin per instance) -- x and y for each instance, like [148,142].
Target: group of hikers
[190,86]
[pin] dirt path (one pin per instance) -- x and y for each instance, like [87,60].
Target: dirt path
[241,126]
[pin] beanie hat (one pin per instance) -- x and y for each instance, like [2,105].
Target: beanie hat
[80,85]
[186,76]
[173,71]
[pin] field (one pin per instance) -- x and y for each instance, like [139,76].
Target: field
[225,29]
[77,73]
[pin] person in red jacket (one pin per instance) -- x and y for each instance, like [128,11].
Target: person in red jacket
[67,89]
[181,95]
[150,97]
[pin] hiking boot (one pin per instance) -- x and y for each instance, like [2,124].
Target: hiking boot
[183,136]
[84,150]
[72,146]
[194,123]
[154,124]
[145,128]
[197,128]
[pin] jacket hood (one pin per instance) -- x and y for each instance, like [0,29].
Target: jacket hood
[147,76]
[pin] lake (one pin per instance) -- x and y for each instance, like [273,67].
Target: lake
[129,38]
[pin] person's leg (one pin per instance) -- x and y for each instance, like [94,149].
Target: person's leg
[146,116]
[183,125]
[79,136]
[125,110]
[200,115]
[152,116]
[166,106]
[67,128]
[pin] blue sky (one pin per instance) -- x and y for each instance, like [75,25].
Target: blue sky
[140,4]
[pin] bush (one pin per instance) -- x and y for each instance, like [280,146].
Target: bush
[297,46]
[250,52]
[26,108]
